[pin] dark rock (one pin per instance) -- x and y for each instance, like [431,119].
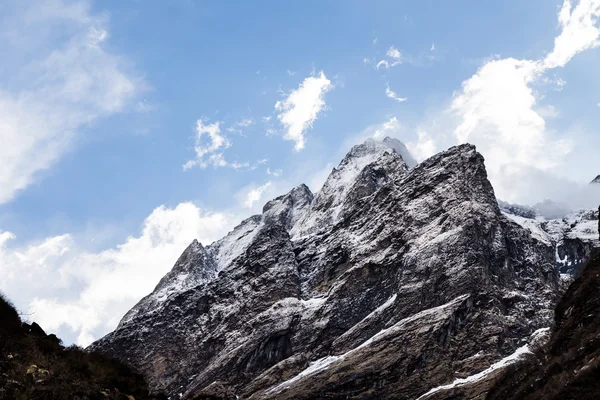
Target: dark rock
[387,283]
[568,366]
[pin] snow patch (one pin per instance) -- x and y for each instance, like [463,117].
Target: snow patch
[325,362]
[226,250]
[503,363]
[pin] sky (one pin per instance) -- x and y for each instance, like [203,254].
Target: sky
[130,128]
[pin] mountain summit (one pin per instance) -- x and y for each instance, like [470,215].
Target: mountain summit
[393,281]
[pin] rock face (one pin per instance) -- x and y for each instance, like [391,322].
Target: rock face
[574,237]
[568,366]
[596,180]
[392,280]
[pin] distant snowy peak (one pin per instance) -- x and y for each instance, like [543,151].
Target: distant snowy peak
[573,236]
[596,180]
[546,209]
[363,170]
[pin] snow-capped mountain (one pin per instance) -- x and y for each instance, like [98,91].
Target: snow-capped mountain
[596,180]
[395,279]
[573,236]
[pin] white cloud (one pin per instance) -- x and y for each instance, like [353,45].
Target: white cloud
[57,77]
[209,144]
[71,290]
[276,173]
[391,127]
[252,196]
[394,53]
[392,95]
[299,110]
[423,148]
[498,109]
[291,73]
[382,63]
[244,123]
[579,32]
[432,48]
[395,58]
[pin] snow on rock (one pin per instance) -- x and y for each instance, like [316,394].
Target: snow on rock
[534,226]
[226,250]
[537,338]
[434,314]
[389,268]
[518,354]
[328,203]
[573,236]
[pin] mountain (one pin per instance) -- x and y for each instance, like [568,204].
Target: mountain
[568,365]
[34,365]
[395,280]
[596,180]
[574,236]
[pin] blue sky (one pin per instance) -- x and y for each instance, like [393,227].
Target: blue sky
[103,103]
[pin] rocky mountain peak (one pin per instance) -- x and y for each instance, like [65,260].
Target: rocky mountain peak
[288,208]
[193,268]
[365,168]
[401,276]
[596,180]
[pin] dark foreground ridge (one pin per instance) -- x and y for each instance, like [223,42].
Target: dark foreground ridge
[35,366]
[568,366]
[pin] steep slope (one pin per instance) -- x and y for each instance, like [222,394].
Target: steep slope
[34,365]
[596,179]
[568,366]
[574,236]
[390,281]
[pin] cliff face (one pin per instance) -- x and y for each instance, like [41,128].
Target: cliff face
[389,282]
[568,366]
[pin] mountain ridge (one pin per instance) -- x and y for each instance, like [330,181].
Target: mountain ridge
[315,277]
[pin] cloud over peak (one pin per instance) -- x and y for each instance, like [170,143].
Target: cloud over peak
[497,108]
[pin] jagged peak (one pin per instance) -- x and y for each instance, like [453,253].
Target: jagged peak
[290,207]
[192,265]
[300,193]
[351,178]
[596,180]
[373,147]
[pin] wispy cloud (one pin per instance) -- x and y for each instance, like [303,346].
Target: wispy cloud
[392,95]
[61,77]
[298,111]
[254,195]
[394,58]
[276,173]
[209,144]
